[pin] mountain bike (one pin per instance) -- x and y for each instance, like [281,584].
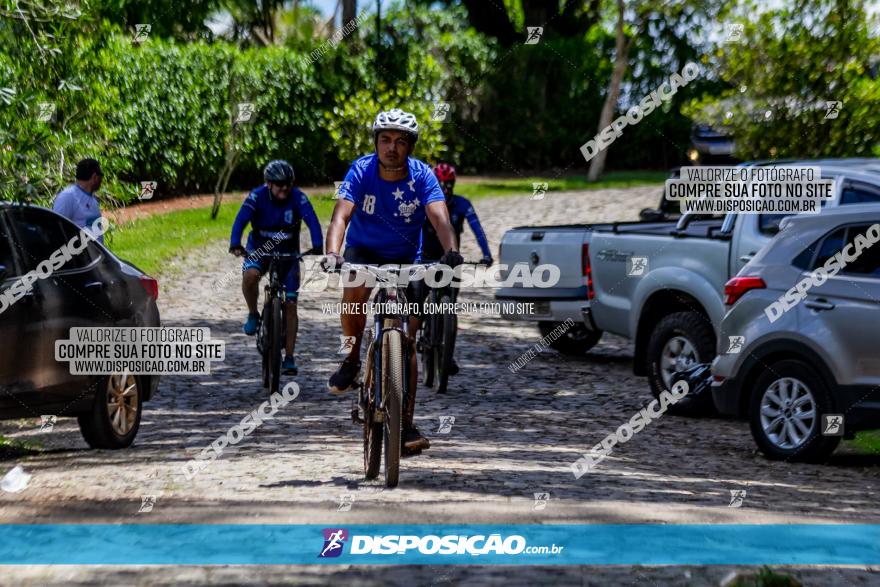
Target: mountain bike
[272,328]
[382,397]
[436,340]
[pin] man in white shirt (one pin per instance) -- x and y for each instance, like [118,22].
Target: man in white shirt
[77,202]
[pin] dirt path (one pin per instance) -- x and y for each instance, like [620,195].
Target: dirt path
[514,435]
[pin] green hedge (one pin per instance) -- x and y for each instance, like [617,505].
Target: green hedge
[165,111]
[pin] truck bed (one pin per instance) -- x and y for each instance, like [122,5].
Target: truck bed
[698,228]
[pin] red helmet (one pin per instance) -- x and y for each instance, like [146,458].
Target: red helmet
[444,172]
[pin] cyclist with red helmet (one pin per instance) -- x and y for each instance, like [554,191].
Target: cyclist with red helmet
[460,209]
[430,249]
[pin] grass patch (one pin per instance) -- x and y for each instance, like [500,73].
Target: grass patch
[867,441]
[486,188]
[766,577]
[150,243]
[520,186]
[13,449]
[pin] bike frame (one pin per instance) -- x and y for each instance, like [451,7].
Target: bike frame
[434,321]
[274,288]
[387,290]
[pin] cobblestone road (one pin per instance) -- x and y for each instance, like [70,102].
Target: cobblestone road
[513,435]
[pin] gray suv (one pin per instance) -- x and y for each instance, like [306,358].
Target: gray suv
[795,353]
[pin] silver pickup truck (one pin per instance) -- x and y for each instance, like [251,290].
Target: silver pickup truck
[659,284]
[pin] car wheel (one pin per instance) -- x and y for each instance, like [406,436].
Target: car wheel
[785,413]
[574,341]
[680,340]
[115,416]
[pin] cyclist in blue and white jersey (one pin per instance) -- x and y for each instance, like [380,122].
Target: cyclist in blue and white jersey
[383,203]
[275,211]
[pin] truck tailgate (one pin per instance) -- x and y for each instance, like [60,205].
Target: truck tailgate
[560,246]
[548,245]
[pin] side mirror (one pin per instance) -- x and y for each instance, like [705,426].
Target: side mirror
[651,215]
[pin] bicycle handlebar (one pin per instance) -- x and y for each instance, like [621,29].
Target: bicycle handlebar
[297,256]
[418,266]
[379,272]
[268,254]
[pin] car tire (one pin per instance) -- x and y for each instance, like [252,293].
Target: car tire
[797,378]
[115,416]
[575,341]
[690,336]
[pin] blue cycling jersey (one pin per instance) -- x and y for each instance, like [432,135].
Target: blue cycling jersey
[271,220]
[388,215]
[460,209]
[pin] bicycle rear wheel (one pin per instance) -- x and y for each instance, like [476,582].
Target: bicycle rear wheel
[262,345]
[427,353]
[445,350]
[392,399]
[274,347]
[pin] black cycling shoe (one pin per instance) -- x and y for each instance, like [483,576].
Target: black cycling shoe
[413,441]
[288,365]
[344,377]
[453,368]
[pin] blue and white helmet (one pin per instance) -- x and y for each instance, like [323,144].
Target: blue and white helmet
[396,119]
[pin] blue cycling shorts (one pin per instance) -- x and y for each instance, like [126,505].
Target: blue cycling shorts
[290,268]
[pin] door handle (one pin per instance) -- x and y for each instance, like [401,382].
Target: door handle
[819,305]
[748,257]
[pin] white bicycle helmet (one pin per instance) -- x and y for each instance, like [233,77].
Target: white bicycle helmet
[396,119]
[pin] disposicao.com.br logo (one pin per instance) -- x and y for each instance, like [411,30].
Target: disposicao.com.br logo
[431,544]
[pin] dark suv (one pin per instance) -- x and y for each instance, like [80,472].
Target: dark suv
[93,289]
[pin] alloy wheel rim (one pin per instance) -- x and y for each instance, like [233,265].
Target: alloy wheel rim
[678,354]
[122,402]
[788,413]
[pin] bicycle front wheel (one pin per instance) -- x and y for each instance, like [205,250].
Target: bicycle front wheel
[392,400]
[274,347]
[373,431]
[446,346]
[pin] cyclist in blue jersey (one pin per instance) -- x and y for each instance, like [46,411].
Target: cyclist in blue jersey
[430,249]
[383,202]
[275,211]
[460,209]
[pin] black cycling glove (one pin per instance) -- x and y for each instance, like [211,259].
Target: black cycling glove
[452,258]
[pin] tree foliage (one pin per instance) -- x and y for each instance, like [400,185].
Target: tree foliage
[52,111]
[790,63]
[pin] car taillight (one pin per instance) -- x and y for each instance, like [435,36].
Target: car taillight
[737,286]
[151,285]
[588,272]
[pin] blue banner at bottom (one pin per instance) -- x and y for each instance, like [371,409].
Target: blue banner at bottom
[599,544]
